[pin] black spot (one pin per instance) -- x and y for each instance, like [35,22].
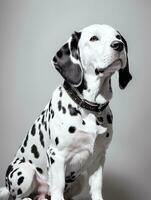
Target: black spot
[52,160]
[49,105]
[63,109]
[35,151]
[59,105]
[97,71]
[43,121]
[43,117]
[16,160]
[107,134]
[60,93]
[69,180]
[109,118]
[100,119]
[9,170]
[118,37]
[20,180]
[30,161]
[73,111]
[45,125]
[49,117]
[56,140]
[41,138]
[33,130]
[83,122]
[49,133]
[11,175]
[71,129]
[52,113]
[39,170]
[19,173]
[19,191]
[22,160]
[48,158]
[22,149]
[53,153]
[25,142]
[42,113]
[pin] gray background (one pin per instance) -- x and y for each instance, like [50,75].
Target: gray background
[30,34]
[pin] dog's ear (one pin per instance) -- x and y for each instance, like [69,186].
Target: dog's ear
[124,76]
[67,61]
[124,73]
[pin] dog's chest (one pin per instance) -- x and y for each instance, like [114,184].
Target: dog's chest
[77,133]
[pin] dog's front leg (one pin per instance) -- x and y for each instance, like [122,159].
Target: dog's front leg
[95,183]
[56,173]
[95,175]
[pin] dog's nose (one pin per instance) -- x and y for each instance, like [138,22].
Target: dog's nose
[117,45]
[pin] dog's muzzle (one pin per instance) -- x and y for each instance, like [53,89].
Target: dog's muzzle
[114,66]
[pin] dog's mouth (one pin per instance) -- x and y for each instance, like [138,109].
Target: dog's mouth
[111,68]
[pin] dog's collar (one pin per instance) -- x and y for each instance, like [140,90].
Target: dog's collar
[83,103]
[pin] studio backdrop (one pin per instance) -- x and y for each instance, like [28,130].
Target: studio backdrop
[31,31]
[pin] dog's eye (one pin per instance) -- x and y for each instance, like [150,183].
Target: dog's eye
[94,38]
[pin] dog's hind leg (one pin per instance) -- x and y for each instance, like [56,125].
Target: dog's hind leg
[23,180]
[20,179]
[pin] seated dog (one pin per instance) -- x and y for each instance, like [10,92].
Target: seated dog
[70,137]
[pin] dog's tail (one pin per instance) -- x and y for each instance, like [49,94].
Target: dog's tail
[4,193]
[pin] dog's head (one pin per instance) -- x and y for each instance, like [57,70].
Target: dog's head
[96,49]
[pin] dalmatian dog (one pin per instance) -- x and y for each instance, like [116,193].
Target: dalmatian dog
[66,146]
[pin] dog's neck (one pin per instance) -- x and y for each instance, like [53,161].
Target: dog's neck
[96,89]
